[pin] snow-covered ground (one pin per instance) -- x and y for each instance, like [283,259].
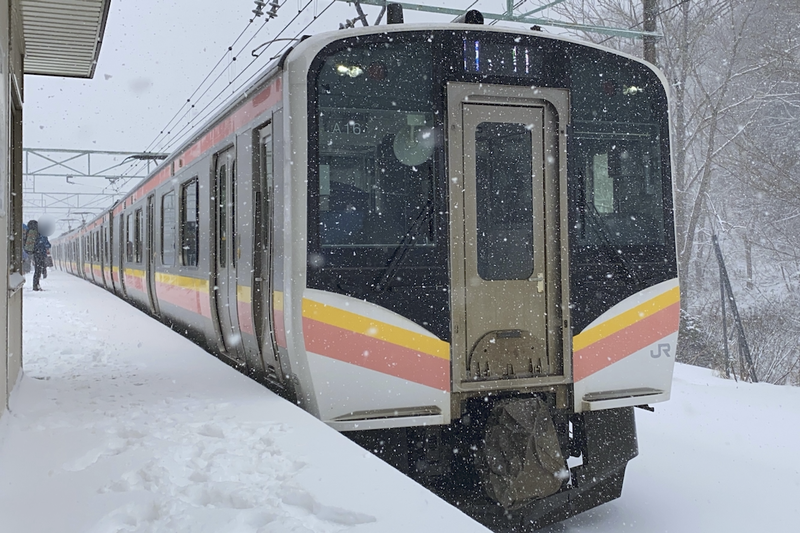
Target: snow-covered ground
[120,425]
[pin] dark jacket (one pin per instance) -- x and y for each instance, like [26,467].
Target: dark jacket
[42,245]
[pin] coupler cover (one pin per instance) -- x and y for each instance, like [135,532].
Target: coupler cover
[521,459]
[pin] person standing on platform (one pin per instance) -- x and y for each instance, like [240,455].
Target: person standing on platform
[36,245]
[30,245]
[43,248]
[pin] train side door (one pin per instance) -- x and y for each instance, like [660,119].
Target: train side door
[109,255]
[262,267]
[104,259]
[124,239]
[226,258]
[505,249]
[150,253]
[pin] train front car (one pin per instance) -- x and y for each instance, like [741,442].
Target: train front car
[489,282]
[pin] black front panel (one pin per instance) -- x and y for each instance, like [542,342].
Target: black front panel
[377,223]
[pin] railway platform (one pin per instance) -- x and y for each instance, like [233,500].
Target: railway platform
[119,424]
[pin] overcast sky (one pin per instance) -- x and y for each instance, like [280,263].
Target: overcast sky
[154,55]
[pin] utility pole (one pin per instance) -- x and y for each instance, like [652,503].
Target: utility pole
[650,8]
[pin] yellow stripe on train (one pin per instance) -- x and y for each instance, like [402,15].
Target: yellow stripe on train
[346,320]
[626,319]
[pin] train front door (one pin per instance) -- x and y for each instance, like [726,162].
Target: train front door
[505,250]
[226,256]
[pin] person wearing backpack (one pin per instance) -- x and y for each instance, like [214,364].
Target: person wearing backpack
[35,249]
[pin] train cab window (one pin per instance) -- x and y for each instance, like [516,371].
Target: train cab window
[623,197]
[617,142]
[189,216]
[168,229]
[138,236]
[376,144]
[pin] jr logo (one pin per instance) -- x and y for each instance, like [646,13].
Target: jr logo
[663,349]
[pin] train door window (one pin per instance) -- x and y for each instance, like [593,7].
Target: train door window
[128,240]
[262,212]
[168,228]
[189,213]
[138,236]
[232,207]
[504,190]
[222,214]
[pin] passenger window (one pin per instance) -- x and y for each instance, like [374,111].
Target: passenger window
[189,213]
[168,229]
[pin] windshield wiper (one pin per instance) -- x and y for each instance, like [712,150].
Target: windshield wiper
[403,248]
[600,229]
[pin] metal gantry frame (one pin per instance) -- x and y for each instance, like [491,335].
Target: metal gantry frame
[512,13]
[67,183]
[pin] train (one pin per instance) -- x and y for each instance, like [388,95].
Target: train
[454,243]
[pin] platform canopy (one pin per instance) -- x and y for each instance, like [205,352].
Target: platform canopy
[63,37]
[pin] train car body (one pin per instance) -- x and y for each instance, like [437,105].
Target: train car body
[454,243]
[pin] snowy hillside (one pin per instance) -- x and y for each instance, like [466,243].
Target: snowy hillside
[121,425]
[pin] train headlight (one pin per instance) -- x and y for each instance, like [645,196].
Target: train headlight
[352,71]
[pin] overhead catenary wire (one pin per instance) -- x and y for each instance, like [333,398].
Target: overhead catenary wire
[202,114]
[210,72]
[205,113]
[221,72]
[183,111]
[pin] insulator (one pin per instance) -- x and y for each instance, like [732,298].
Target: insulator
[259,10]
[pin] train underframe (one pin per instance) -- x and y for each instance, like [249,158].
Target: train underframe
[485,465]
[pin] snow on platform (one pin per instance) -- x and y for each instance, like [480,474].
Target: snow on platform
[119,424]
